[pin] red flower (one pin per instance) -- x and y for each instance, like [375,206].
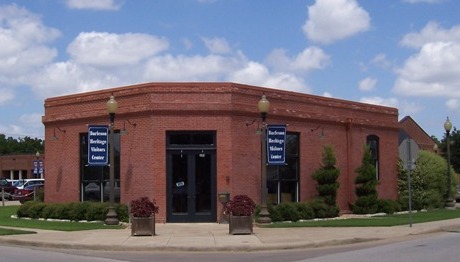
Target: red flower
[143,207]
[240,205]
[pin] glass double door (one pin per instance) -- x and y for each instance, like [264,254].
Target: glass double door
[191,186]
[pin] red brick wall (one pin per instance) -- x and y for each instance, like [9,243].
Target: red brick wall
[423,140]
[225,108]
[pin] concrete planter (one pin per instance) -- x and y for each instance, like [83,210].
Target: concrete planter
[240,225]
[143,226]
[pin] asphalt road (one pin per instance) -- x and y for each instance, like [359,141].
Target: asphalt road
[431,247]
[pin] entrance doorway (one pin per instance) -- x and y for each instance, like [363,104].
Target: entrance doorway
[191,182]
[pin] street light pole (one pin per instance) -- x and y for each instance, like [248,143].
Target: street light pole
[448,127]
[111,217]
[264,215]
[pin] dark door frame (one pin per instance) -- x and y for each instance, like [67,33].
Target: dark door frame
[191,215]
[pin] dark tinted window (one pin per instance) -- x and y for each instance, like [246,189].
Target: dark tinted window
[191,138]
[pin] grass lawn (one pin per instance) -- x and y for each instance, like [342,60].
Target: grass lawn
[376,221]
[6,220]
[8,231]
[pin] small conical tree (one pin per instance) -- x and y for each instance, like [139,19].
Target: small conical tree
[326,178]
[366,182]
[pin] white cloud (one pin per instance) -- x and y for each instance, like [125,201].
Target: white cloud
[94,4]
[327,94]
[332,20]
[432,32]
[381,60]
[407,108]
[26,125]
[434,71]
[188,44]
[32,120]
[217,45]
[111,50]
[424,1]
[257,74]
[391,102]
[310,58]
[12,130]
[367,84]
[190,68]
[7,96]
[69,77]
[23,39]
[453,104]
[101,60]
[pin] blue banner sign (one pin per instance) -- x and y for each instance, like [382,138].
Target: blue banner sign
[98,153]
[35,163]
[276,140]
[41,167]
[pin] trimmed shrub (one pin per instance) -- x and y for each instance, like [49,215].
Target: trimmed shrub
[305,210]
[365,205]
[122,212]
[326,177]
[275,215]
[366,182]
[75,211]
[35,210]
[319,207]
[388,206]
[96,212]
[288,212]
[49,211]
[23,210]
[78,211]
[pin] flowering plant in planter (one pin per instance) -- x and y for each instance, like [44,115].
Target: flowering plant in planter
[143,207]
[240,205]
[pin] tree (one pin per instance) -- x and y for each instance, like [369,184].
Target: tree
[428,182]
[25,145]
[326,178]
[366,182]
[454,148]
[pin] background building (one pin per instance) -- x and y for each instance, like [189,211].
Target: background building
[184,143]
[410,129]
[22,166]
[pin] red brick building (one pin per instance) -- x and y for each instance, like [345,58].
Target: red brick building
[17,167]
[184,143]
[410,128]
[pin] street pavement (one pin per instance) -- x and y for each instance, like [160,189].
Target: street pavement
[215,237]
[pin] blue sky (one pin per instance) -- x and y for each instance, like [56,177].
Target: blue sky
[398,53]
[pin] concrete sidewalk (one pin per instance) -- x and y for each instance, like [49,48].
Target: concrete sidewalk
[215,237]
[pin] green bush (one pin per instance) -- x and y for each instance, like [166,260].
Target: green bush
[275,215]
[49,211]
[288,212]
[305,210]
[320,208]
[428,182]
[388,206]
[35,211]
[91,211]
[122,212]
[96,212]
[366,182]
[326,177]
[78,211]
[365,205]
[23,210]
